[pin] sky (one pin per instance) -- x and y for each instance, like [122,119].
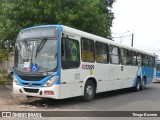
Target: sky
[141,17]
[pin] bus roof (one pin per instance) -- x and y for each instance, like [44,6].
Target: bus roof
[90,36]
[101,39]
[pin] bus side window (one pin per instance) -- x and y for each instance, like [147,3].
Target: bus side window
[151,61]
[124,56]
[87,50]
[70,53]
[114,54]
[133,58]
[139,59]
[101,52]
[145,61]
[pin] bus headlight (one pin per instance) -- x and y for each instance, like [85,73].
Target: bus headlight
[15,81]
[50,82]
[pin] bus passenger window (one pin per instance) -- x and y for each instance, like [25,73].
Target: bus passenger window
[114,55]
[145,60]
[124,56]
[149,61]
[101,52]
[139,59]
[72,50]
[70,53]
[87,49]
[133,58]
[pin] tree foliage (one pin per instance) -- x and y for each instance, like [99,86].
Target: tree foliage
[88,15]
[93,16]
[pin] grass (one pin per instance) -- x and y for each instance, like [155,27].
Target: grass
[5,78]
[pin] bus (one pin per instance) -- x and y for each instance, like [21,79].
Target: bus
[57,61]
[157,76]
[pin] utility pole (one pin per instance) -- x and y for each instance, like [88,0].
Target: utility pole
[132,39]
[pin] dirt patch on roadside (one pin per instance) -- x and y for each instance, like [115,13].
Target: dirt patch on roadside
[12,102]
[9,102]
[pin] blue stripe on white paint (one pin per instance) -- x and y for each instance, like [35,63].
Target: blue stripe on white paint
[148,72]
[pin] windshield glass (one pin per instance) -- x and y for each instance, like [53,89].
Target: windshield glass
[36,55]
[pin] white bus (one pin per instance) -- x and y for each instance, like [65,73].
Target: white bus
[56,61]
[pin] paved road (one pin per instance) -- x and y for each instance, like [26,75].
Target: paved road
[121,100]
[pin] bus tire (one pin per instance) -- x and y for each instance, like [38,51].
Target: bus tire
[89,91]
[137,87]
[143,85]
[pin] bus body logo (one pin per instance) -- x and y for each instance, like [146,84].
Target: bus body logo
[30,84]
[87,67]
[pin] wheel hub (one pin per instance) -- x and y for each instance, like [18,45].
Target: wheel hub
[89,91]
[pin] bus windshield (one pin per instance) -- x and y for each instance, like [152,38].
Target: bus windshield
[36,55]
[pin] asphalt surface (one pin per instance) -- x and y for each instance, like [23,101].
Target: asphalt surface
[119,100]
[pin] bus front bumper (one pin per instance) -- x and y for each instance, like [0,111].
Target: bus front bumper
[46,92]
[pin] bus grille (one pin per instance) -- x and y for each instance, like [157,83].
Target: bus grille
[31,78]
[31,90]
[33,84]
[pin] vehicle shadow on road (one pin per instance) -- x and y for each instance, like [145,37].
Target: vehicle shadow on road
[53,103]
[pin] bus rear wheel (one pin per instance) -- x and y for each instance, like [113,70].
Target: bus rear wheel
[143,85]
[89,91]
[137,87]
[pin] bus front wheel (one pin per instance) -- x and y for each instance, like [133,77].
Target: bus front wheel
[89,91]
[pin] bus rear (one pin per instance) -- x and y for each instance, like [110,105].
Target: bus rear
[36,68]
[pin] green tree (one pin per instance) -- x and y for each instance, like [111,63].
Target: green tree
[93,16]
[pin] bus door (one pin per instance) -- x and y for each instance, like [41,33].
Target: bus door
[71,84]
[115,68]
[125,68]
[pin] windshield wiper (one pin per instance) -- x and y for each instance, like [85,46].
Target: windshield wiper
[26,45]
[41,45]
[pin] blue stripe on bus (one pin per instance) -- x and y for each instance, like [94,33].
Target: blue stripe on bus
[145,71]
[59,52]
[157,73]
[26,82]
[149,73]
[36,83]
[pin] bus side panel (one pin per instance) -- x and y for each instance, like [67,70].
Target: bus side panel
[115,76]
[101,73]
[125,76]
[135,71]
[149,73]
[71,84]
